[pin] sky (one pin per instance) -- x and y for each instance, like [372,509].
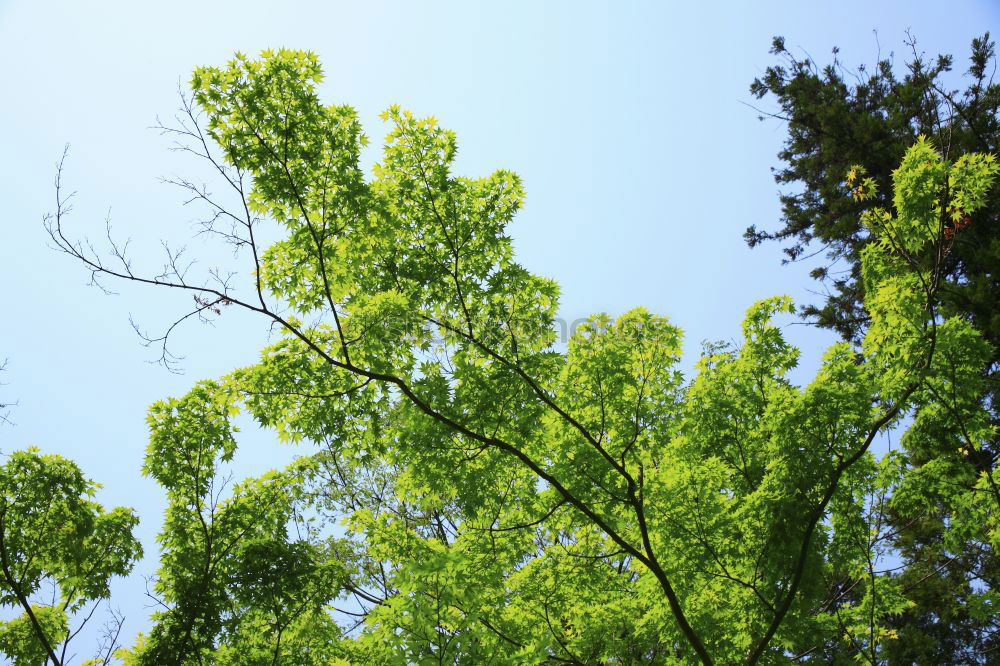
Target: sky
[628,122]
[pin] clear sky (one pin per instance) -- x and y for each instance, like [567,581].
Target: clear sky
[625,119]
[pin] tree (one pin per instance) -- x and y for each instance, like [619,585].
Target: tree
[230,565]
[53,534]
[505,500]
[838,118]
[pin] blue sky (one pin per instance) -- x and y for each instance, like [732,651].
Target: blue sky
[641,163]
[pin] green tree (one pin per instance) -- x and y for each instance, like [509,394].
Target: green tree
[229,566]
[837,118]
[505,500]
[53,534]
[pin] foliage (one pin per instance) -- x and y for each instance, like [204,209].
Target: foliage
[834,124]
[864,121]
[470,492]
[53,534]
[229,565]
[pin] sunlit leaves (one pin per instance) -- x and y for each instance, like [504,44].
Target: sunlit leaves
[19,639]
[504,498]
[53,533]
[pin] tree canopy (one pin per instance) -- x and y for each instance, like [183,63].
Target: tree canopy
[470,491]
[837,118]
[55,541]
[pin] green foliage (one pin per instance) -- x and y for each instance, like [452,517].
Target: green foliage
[19,637]
[837,126]
[229,566]
[467,491]
[52,532]
[863,124]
